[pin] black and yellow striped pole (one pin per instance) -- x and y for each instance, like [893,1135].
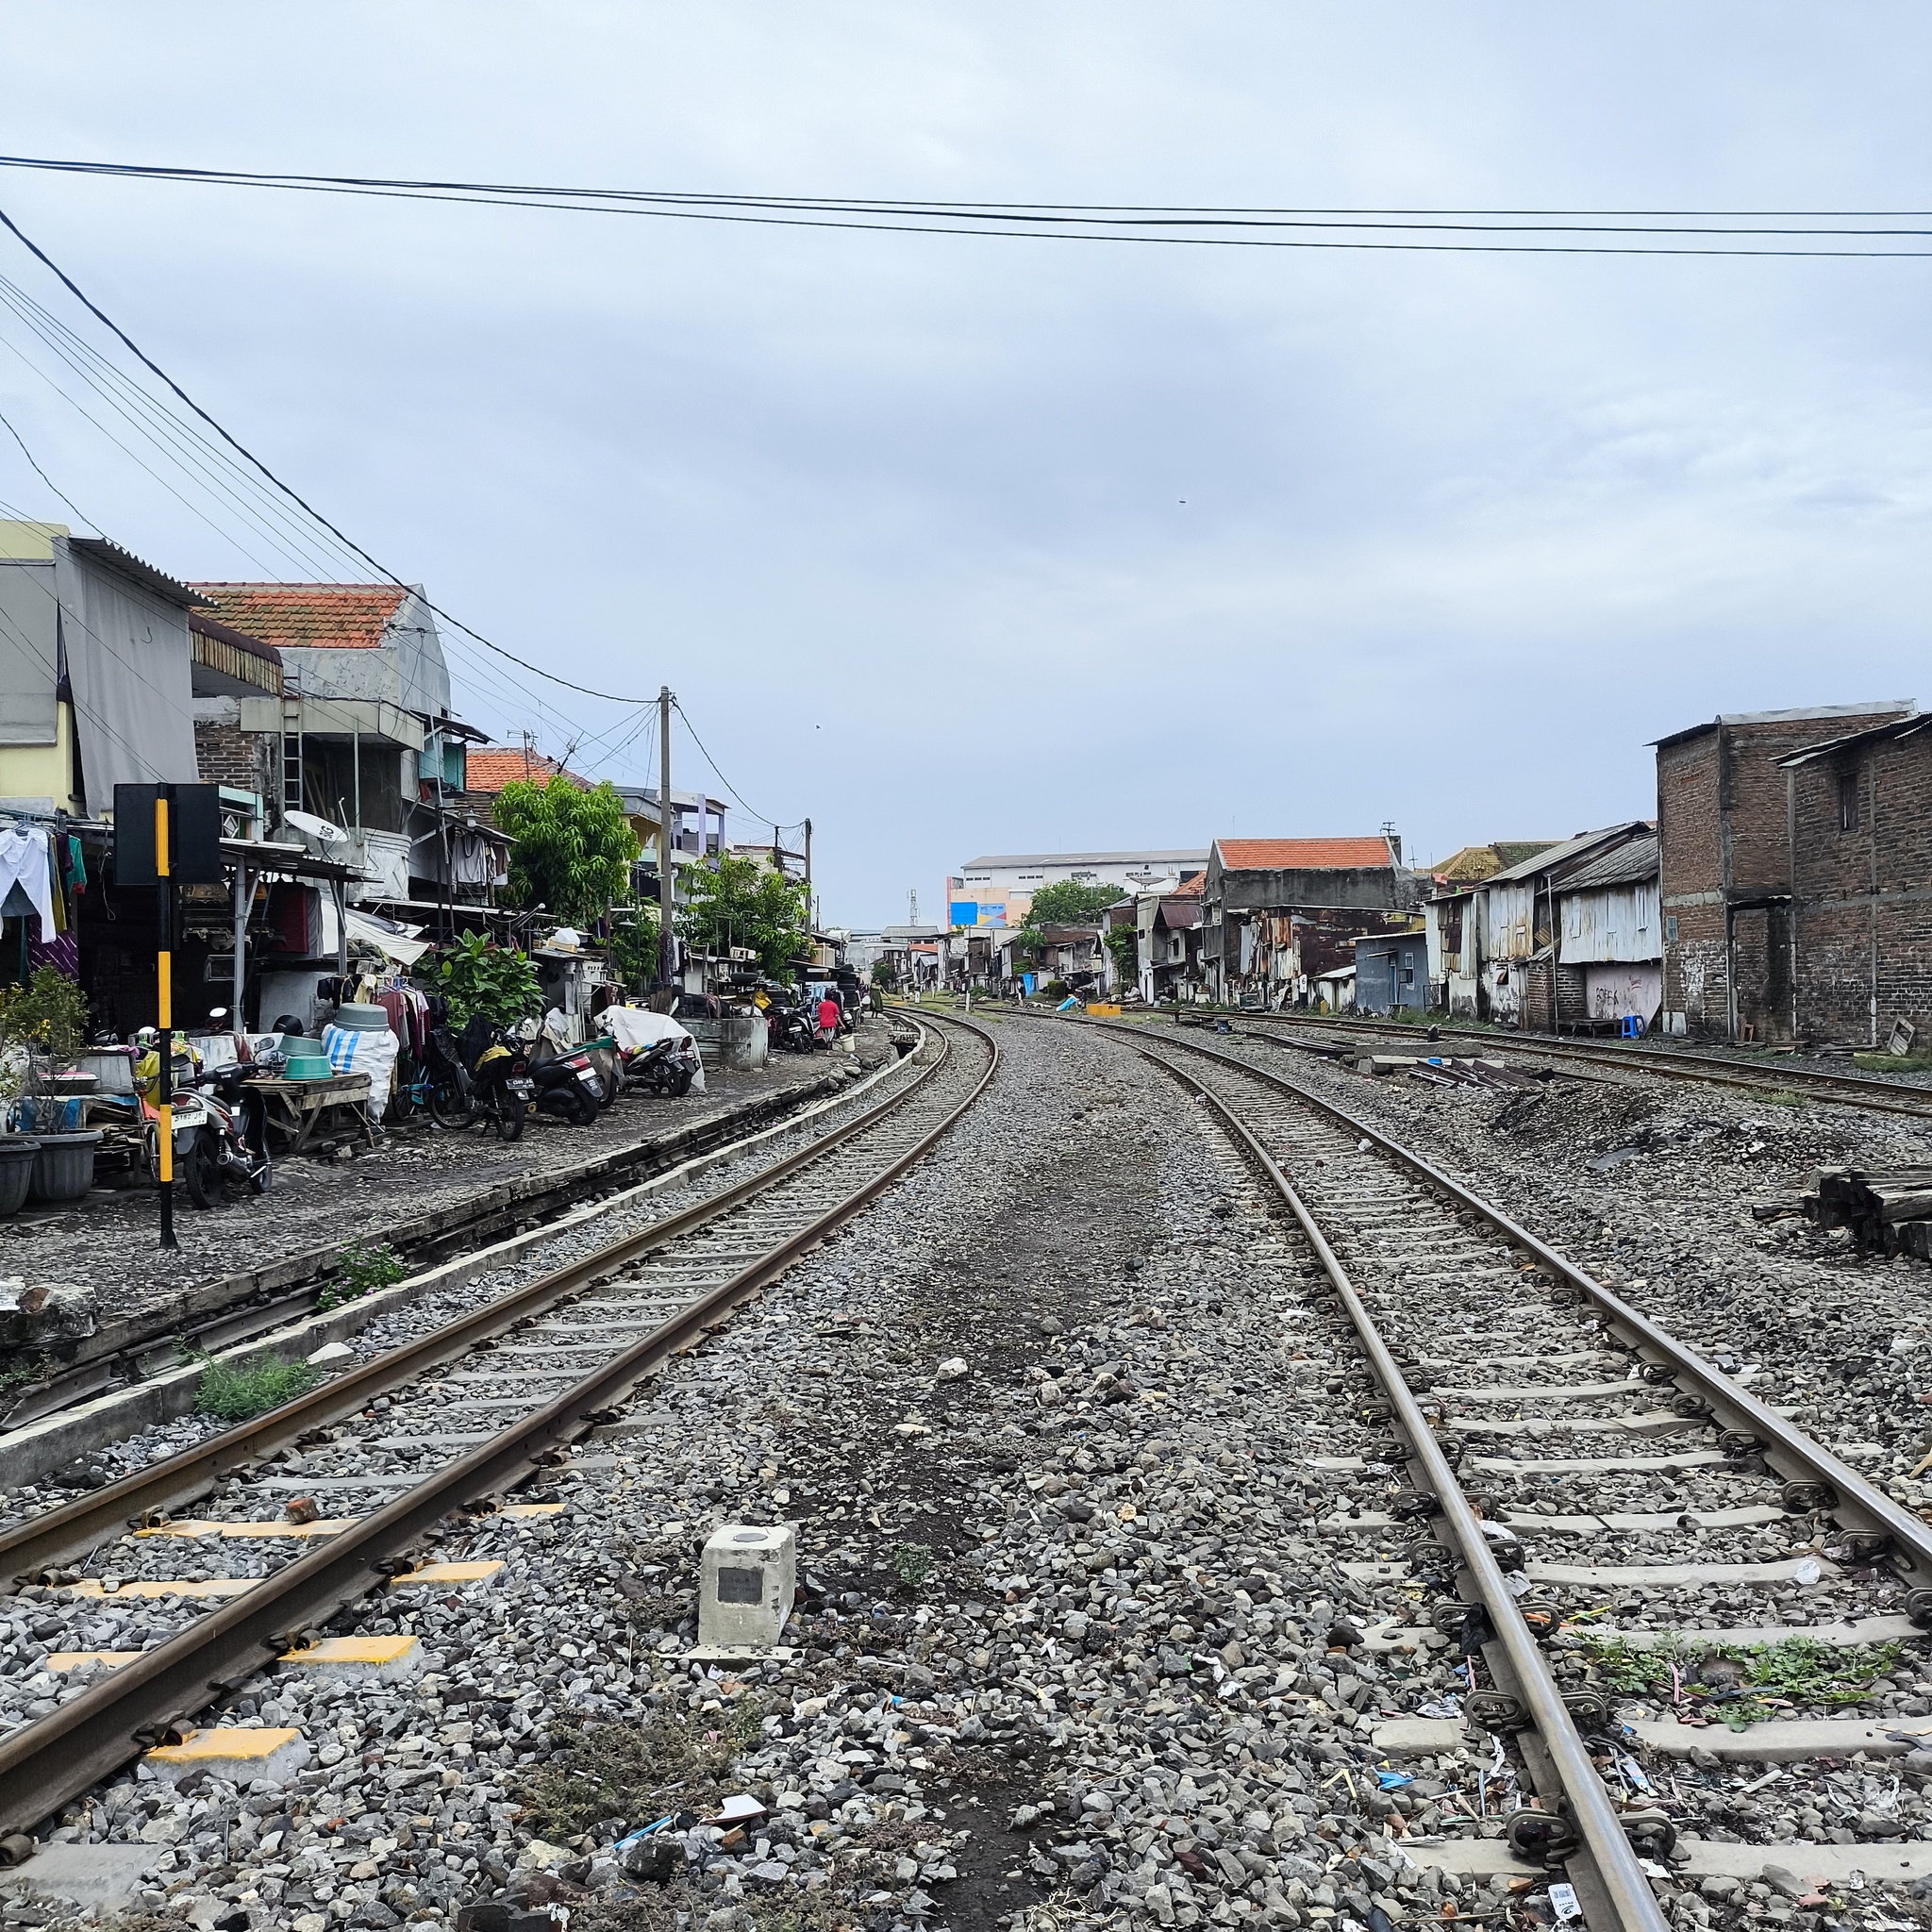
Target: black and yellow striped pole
[164,990]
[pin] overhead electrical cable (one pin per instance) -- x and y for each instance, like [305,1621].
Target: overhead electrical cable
[1470,230]
[33,463]
[135,349]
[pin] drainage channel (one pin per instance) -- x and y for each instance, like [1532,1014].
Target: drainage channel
[358,1491]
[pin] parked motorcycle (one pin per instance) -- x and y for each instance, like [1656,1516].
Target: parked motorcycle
[791,1030]
[495,1078]
[567,1081]
[220,1128]
[667,1066]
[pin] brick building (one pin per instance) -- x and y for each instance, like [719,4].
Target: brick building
[1859,811]
[1725,865]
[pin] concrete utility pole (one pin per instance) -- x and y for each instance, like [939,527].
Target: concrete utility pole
[666,955]
[808,862]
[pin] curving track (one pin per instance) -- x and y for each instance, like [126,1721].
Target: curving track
[390,1455]
[1511,1377]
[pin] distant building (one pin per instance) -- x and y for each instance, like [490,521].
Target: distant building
[1723,800]
[1279,913]
[998,889]
[1860,810]
[1391,973]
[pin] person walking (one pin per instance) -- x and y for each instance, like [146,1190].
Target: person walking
[828,1017]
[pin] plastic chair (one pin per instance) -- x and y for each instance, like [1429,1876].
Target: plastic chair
[1630,1026]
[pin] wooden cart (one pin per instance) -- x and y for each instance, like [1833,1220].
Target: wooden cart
[296,1110]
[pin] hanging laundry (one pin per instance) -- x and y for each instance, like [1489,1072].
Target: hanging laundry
[62,953]
[25,877]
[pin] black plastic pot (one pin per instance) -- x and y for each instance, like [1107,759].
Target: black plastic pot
[16,1158]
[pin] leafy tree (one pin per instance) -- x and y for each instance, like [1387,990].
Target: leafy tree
[1124,943]
[634,945]
[1067,902]
[473,977]
[881,974]
[741,903]
[574,849]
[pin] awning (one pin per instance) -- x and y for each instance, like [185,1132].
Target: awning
[390,940]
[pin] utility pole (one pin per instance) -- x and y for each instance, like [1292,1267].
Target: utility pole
[164,1000]
[809,912]
[665,942]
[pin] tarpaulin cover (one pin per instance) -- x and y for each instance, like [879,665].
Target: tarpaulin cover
[29,653]
[128,662]
[637,1026]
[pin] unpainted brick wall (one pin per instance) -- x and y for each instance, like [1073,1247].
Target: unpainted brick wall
[226,755]
[1864,892]
[1692,864]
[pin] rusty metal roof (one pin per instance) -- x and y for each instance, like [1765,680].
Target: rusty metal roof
[1628,864]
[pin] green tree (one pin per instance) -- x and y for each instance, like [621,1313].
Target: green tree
[634,945]
[741,903]
[1124,943]
[473,977]
[1067,902]
[574,849]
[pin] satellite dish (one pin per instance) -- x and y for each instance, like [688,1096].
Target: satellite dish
[321,830]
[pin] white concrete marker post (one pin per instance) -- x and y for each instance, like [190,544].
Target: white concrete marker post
[747,1582]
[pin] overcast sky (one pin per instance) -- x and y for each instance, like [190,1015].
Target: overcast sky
[977,546]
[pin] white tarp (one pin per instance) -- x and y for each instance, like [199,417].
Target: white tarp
[129,664]
[392,945]
[637,1026]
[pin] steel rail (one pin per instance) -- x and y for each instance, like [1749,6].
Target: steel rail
[1617,1875]
[1856,1503]
[59,1536]
[63,1754]
[1853,1089]
[225,1312]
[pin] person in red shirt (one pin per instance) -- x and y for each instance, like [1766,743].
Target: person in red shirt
[828,1019]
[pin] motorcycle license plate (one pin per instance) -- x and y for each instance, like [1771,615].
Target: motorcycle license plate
[588,1075]
[521,1088]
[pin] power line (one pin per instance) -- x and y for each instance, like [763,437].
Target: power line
[758,817]
[33,464]
[1355,228]
[135,349]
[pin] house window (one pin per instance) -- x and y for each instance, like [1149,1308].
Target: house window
[1671,927]
[1409,975]
[1848,801]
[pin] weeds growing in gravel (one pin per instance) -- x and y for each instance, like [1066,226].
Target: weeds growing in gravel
[1795,1670]
[913,1564]
[665,1907]
[634,1772]
[360,1269]
[241,1390]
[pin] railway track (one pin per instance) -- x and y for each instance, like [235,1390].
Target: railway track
[1714,1070]
[1531,1410]
[141,1622]
[249,1304]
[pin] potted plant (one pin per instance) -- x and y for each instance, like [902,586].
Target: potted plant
[42,1027]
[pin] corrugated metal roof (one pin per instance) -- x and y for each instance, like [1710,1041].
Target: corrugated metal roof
[1627,864]
[111,554]
[1899,727]
[1312,855]
[1180,915]
[1874,707]
[1567,851]
[308,616]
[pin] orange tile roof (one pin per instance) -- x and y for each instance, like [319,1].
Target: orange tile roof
[491,770]
[1314,855]
[308,616]
[1189,888]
